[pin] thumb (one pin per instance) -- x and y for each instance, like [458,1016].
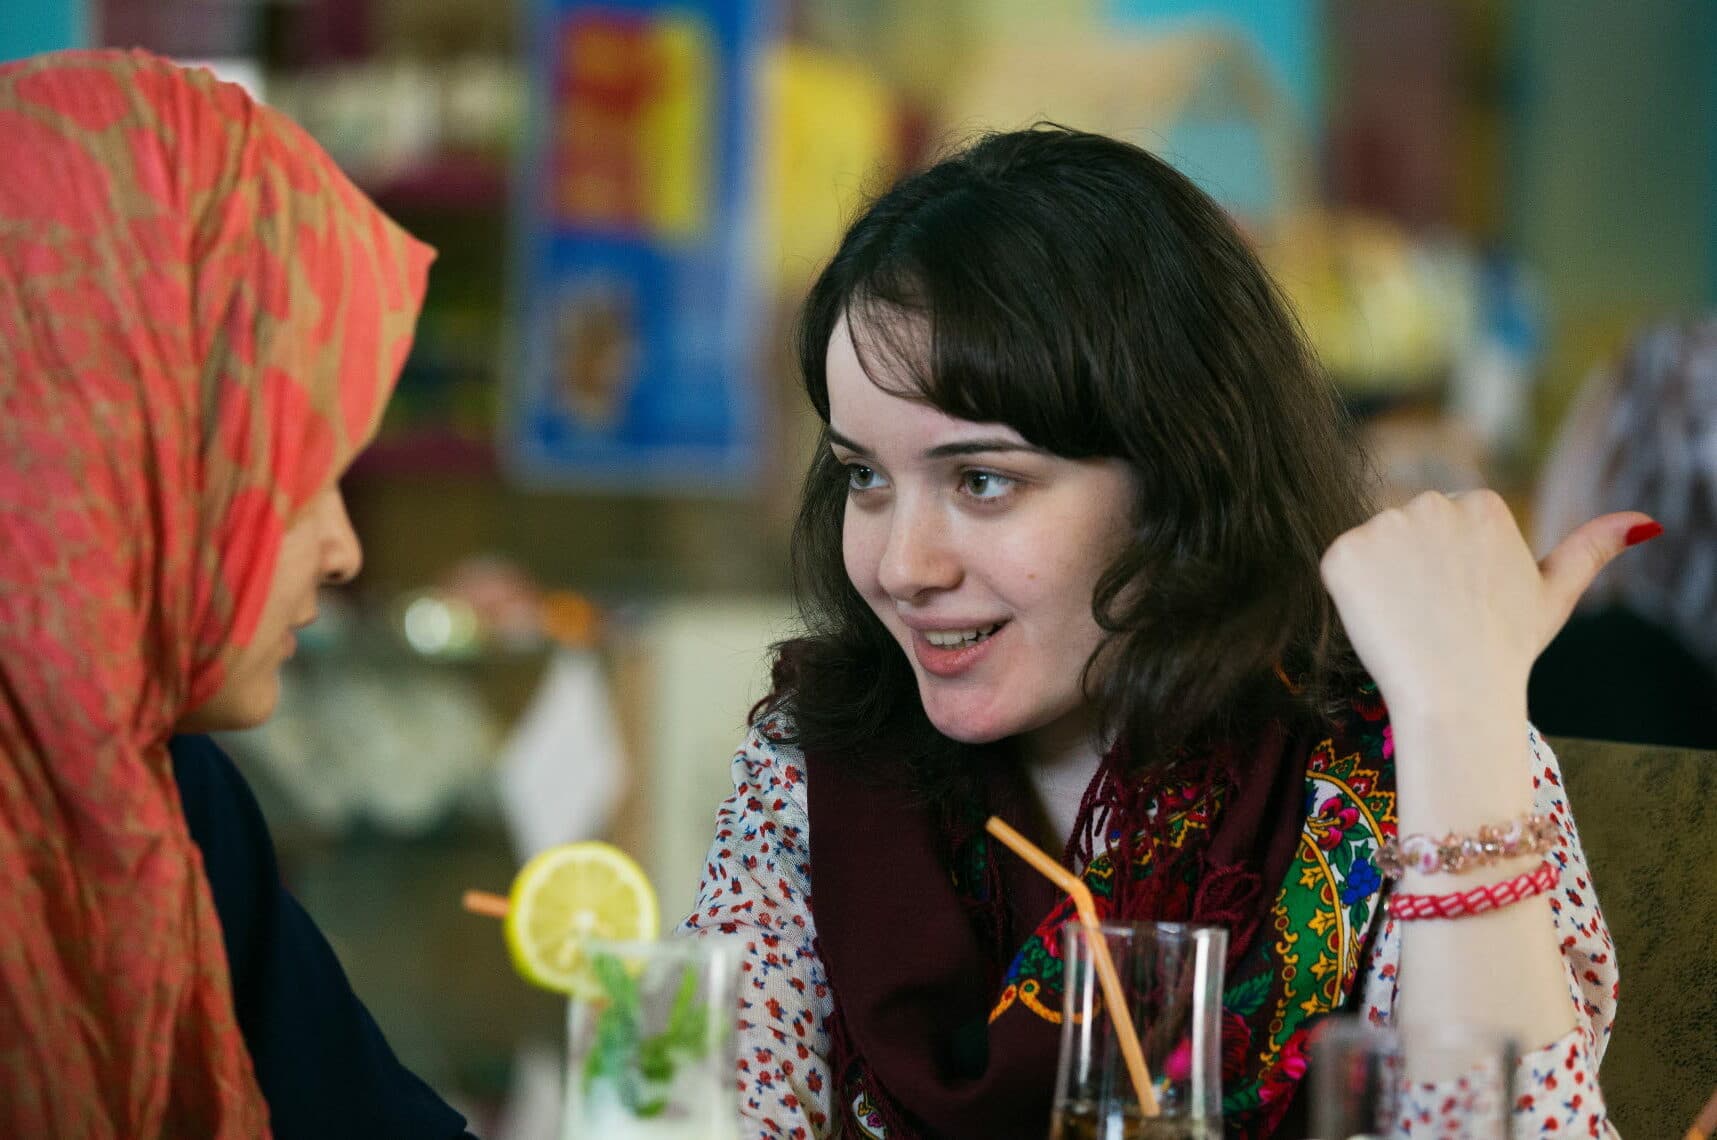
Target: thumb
[1569,569]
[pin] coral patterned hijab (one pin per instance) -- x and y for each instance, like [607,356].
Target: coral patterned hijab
[200,320]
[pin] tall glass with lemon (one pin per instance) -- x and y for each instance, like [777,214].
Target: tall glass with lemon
[650,1042]
[650,1057]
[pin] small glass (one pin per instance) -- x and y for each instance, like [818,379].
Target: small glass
[650,1053]
[1369,1082]
[1172,976]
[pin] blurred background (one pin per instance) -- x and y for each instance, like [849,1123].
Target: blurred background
[576,517]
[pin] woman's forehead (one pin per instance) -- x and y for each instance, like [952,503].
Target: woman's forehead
[864,417]
[889,345]
[875,393]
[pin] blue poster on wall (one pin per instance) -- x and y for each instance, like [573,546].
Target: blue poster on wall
[640,313]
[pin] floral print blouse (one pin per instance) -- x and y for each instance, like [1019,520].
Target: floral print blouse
[757,884]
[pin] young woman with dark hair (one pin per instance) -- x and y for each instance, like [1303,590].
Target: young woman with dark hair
[1086,544]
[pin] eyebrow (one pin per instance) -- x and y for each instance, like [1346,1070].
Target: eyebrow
[944,450]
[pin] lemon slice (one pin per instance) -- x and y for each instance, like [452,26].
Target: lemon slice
[566,895]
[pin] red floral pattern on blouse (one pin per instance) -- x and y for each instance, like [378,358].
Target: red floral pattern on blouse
[757,883]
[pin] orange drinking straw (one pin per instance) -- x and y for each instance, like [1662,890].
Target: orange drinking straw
[486,904]
[1107,976]
[1706,1125]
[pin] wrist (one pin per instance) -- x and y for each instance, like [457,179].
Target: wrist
[1448,708]
[1457,772]
[1488,874]
[1473,895]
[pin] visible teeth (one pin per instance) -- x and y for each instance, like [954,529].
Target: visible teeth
[950,638]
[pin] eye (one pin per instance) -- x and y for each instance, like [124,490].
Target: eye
[986,485]
[862,478]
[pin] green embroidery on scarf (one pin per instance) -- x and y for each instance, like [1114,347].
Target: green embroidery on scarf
[1306,960]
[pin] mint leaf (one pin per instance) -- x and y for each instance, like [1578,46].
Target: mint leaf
[688,1024]
[614,1051]
[655,1058]
[639,1067]
[615,1042]
[616,981]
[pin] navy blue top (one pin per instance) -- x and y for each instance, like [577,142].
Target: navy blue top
[323,1064]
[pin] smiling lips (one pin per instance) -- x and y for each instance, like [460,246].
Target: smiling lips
[950,652]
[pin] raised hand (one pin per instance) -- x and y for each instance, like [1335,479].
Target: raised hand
[1445,604]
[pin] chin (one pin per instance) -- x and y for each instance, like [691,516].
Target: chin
[970,726]
[256,711]
[1000,717]
[253,718]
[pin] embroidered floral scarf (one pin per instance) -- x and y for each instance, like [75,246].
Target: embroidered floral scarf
[910,967]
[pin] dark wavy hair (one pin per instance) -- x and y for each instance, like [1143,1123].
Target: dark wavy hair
[1083,292]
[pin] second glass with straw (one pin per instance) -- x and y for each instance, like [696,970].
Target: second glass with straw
[1165,977]
[1171,980]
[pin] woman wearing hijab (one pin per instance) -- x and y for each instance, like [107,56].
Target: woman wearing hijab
[200,322]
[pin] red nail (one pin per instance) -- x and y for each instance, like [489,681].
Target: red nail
[1644,532]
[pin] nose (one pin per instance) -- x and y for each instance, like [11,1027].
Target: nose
[919,556]
[342,555]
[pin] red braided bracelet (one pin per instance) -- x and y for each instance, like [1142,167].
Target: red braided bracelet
[1461,904]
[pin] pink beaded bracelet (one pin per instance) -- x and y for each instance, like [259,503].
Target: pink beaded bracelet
[1427,854]
[1462,904]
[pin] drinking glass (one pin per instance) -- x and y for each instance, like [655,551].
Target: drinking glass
[650,1049]
[1171,974]
[1436,1080]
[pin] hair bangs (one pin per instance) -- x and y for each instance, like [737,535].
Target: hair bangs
[944,321]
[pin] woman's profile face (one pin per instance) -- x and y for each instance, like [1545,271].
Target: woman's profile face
[978,551]
[319,547]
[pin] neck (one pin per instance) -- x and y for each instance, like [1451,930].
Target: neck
[1061,759]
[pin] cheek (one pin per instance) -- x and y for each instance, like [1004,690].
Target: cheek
[1055,592]
[295,575]
[1031,576]
[861,551]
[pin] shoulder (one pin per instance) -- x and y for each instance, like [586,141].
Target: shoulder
[759,859]
[769,768]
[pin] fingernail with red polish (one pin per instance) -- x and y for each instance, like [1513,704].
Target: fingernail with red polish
[1644,532]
